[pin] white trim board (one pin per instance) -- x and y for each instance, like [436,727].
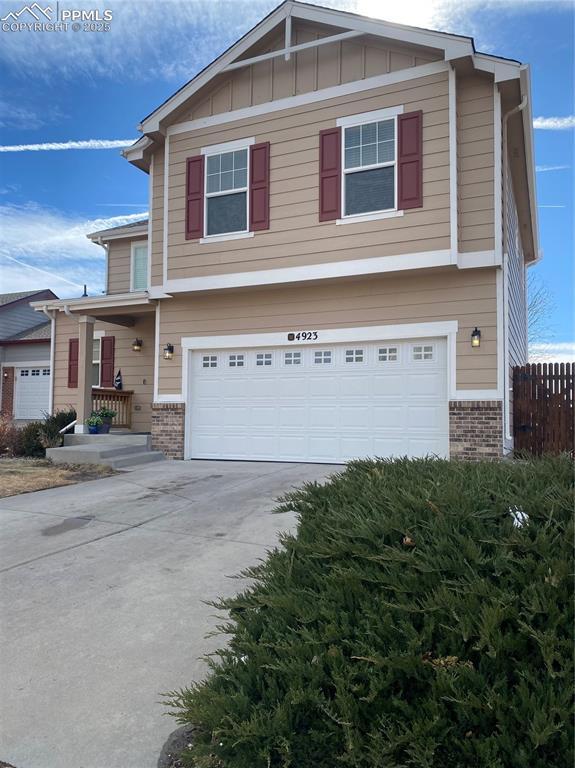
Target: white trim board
[369,117]
[475,259]
[400,76]
[374,265]
[133,246]
[228,146]
[453,180]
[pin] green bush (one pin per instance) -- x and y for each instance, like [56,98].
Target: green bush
[50,436]
[416,619]
[31,440]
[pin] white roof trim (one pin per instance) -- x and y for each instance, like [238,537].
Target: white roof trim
[499,68]
[88,303]
[452,45]
[138,232]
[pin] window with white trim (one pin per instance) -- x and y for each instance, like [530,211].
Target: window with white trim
[226,190]
[322,357]
[35,371]
[24,372]
[292,358]
[264,358]
[387,354]
[209,361]
[354,355]
[423,352]
[96,352]
[369,167]
[139,267]
[236,361]
[45,371]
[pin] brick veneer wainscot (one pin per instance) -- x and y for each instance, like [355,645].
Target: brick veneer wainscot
[168,429]
[7,408]
[476,429]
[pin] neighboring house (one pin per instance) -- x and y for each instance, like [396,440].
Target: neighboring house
[25,365]
[341,215]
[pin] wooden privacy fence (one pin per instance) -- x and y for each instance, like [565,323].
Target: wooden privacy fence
[543,407]
[119,400]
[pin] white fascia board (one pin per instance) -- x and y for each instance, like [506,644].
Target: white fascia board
[152,123]
[527,114]
[96,302]
[354,267]
[333,92]
[367,117]
[454,46]
[500,69]
[136,232]
[136,151]
[325,336]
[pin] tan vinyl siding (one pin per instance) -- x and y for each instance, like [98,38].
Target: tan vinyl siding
[119,261]
[305,72]
[475,162]
[296,237]
[157,214]
[466,296]
[137,367]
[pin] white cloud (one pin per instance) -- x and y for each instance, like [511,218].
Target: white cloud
[552,206]
[554,123]
[52,146]
[554,352]
[546,168]
[44,248]
[20,116]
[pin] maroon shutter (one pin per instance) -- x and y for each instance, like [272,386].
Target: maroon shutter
[73,346]
[107,344]
[194,197]
[260,186]
[330,174]
[410,160]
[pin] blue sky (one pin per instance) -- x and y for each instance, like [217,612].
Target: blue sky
[67,87]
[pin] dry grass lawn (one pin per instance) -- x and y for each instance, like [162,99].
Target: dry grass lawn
[27,475]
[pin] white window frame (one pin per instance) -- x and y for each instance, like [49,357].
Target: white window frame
[355,121]
[220,149]
[139,244]
[423,359]
[98,336]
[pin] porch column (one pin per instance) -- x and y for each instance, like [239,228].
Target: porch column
[85,347]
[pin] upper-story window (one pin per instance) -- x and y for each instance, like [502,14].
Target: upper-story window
[369,167]
[227,192]
[139,267]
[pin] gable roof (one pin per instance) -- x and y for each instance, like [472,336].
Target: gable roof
[453,46]
[40,332]
[12,298]
[124,230]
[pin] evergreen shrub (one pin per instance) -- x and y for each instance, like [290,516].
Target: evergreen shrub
[421,616]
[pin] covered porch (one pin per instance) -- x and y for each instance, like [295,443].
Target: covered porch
[103,350]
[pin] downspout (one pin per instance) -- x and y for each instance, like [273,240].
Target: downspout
[506,398]
[51,315]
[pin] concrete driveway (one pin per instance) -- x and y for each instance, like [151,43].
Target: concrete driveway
[101,601]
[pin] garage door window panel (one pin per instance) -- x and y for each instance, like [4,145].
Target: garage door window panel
[264,359]
[209,361]
[369,168]
[354,356]
[226,193]
[236,361]
[322,357]
[422,353]
[292,358]
[388,355]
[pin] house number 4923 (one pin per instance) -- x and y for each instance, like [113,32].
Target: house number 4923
[303,336]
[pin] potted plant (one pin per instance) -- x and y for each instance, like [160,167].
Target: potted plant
[106,415]
[94,423]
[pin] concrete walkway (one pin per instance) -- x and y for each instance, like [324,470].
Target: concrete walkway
[101,601]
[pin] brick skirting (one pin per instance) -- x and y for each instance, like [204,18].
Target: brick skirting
[168,429]
[475,429]
[7,406]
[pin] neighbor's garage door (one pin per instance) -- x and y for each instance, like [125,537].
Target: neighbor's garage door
[320,404]
[31,393]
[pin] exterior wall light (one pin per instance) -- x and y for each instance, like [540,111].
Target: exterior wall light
[168,351]
[137,345]
[476,337]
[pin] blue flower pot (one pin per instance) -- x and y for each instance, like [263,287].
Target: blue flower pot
[93,430]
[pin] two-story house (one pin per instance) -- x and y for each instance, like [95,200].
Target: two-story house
[342,211]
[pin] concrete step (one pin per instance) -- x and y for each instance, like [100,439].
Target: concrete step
[118,438]
[91,454]
[134,460]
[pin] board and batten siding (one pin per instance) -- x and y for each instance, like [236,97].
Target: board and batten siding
[307,71]
[119,260]
[467,296]
[296,236]
[137,367]
[475,163]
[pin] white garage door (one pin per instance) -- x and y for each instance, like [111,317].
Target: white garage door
[320,404]
[32,391]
